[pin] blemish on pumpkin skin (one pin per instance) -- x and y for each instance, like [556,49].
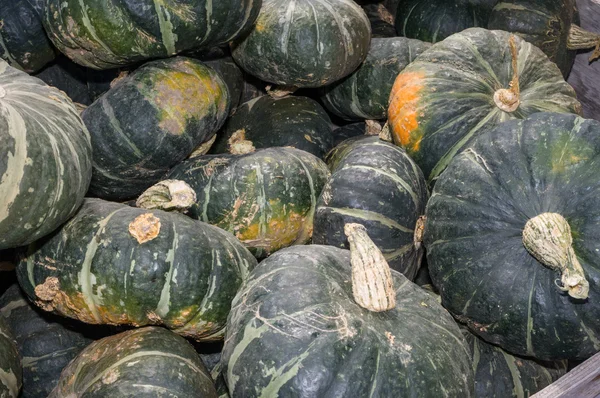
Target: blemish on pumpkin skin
[403,112]
[145,227]
[111,376]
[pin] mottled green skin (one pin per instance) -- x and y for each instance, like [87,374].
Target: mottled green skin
[382,21]
[23,41]
[10,363]
[473,235]
[296,331]
[184,278]
[147,362]
[105,34]
[45,158]
[545,24]
[342,133]
[151,120]
[366,92]
[305,43]
[266,198]
[69,77]
[232,76]
[376,184]
[459,79]
[46,342]
[299,122]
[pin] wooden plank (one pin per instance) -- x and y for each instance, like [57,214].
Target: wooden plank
[581,382]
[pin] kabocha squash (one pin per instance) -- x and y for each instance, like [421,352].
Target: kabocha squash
[296,330]
[46,343]
[149,121]
[10,364]
[365,93]
[551,25]
[522,192]
[303,43]
[266,198]
[45,165]
[105,34]
[351,130]
[382,21]
[469,83]
[267,122]
[376,184]
[23,41]
[115,264]
[69,77]
[147,362]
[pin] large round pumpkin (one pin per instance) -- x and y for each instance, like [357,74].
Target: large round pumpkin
[151,120]
[365,93]
[147,362]
[267,198]
[267,122]
[512,236]
[105,34]
[45,158]
[303,327]
[11,373]
[304,43]
[115,264]
[469,83]
[376,184]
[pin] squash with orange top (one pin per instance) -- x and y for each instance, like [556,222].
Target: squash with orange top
[469,83]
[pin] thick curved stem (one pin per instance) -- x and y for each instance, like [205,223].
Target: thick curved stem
[239,145]
[547,237]
[509,99]
[580,39]
[372,283]
[168,195]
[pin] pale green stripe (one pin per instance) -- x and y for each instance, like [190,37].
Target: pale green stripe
[369,216]
[116,125]
[165,25]
[516,375]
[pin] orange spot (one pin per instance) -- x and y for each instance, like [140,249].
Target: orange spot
[403,110]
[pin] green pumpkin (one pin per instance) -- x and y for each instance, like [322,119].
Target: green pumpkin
[115,264]
[382,21]
[69,77]
[46,343]
[147,362]
[106,34]
[149,121]
[342,133]
[466,85]
[266,198]
[11,373]
[500,204]
[374,183]
[23,41]
[298,330]
[304,44]
[365,93]
[45,165]
[267,122]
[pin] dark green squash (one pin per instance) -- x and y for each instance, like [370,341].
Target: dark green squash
[303,43]
[266,198]
[365,93]
[342,133]
[149,121]
[147,362]
[69,77]
[46,343]
[23,41]
[382,21]
[267,122]
[297,330]
[374,183]
[469,83]
[115,264]
[45,158]
[510,186]
[105,34]
[11,373]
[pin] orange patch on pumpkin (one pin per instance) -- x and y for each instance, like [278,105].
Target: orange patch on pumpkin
[403,112]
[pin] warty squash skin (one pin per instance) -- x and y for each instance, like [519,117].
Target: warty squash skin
[149,121]
[466,85]
[481,210]
[304,43]
[10,363]
[266,198]
[45,158]
[119,265]
[106,34]
[147,362]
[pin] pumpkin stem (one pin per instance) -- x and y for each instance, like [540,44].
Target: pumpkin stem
[168,195]
[547,237]
[239,145]
[580,39]
[373,127]
[419,230]
[277,92]
[508,99]
[203,148]
[372,283]
[386,134]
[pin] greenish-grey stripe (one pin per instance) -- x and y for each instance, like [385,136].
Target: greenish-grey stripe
[9,58]
[515,374]
[529,316]
[162,308]
[165,25]
[116,125]
[92,31]
[369,216]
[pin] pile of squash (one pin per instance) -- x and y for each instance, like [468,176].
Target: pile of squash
[297,198]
